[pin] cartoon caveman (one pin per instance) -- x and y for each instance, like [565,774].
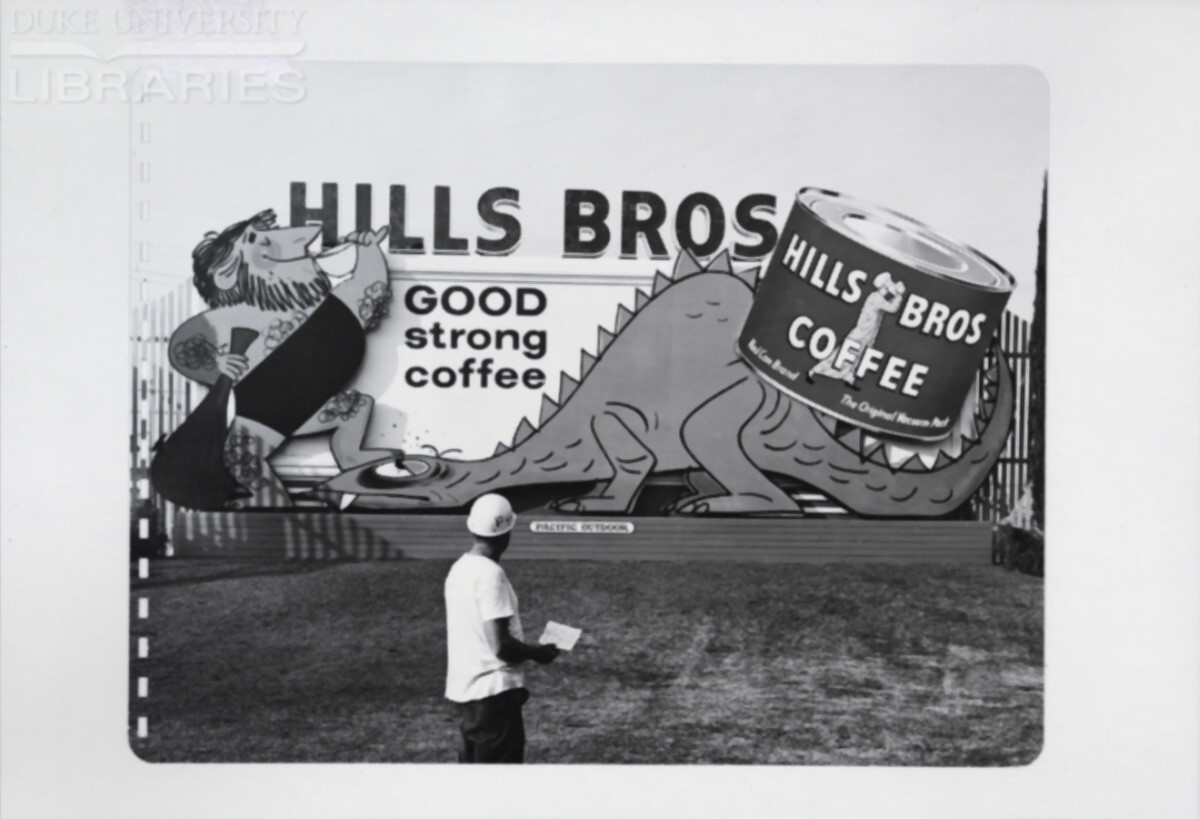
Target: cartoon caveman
[260,280]
[886,299]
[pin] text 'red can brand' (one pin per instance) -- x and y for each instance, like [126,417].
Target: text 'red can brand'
[873,317]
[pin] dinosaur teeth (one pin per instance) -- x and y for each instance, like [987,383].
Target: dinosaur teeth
[604,338]
[878,455]
[524,430]
[548,409]
[566,387]
[623,317]
[685,265]
[953,445]
[852,438]
[897,455]
[586,362]
[640,300]
[841,428]
[871,446]
[661,283]
[929,455]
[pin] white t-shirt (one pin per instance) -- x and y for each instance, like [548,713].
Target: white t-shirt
[477,590]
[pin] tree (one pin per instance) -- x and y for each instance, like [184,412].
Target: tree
[1037,376]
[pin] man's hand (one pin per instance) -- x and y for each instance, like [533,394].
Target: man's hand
[367,238]
[233,365]
[544,655]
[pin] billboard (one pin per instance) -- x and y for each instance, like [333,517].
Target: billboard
[680,291]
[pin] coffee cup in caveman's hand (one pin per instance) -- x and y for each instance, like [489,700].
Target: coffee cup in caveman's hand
[339,261]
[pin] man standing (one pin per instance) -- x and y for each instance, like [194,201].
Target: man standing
[484,641]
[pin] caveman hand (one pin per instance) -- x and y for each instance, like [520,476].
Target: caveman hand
[232,365]
[366,238]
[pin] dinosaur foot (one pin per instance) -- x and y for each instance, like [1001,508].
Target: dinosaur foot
[594,503]
[744,504]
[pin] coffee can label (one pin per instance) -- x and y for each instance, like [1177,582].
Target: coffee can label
[873,317]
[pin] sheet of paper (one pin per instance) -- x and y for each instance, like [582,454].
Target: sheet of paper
[562,636]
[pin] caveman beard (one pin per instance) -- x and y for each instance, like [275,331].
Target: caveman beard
[281,294]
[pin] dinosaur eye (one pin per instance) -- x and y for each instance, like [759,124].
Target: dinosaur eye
[251,237]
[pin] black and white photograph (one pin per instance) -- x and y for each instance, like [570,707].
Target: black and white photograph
[774,449]
[685,419]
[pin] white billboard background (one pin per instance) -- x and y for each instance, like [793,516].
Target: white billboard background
[961,148]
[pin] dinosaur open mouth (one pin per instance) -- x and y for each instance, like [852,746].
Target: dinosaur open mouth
[901,455]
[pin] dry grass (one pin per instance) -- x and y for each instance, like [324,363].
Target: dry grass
[680,663]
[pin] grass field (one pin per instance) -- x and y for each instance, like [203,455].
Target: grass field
[680,663]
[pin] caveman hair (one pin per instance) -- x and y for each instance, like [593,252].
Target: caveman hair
[218,253]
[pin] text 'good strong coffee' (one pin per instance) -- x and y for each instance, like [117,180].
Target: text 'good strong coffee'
[873,317]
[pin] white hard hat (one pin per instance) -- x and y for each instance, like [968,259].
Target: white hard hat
[491,515]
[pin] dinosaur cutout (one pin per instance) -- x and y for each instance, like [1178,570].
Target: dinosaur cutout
[734,436]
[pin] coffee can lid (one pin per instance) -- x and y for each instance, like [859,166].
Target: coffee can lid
[905,240]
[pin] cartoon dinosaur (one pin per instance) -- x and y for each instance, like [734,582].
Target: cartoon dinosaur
[700,411]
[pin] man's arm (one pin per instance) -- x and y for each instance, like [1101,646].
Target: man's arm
[366,291]
[512,650]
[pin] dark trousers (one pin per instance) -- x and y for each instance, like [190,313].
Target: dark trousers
[493,729]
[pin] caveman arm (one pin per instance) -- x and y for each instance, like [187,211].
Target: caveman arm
[196,352]
[367,292]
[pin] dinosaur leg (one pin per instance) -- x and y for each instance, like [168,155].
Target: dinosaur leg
[631,463]
[699,485]
[247,447]
[709,436]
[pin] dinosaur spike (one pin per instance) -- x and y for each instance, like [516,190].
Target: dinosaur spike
[913,464]
[566,388]
[623,317]
[641,300]
[661,283]
[523,431]
[870,446]
[548,409]
[721,264]
[685,265]
[604,338]
[841,428]
[586,362]
[501,448]
[749,277]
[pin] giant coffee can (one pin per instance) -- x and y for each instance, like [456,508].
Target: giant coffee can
[873,317]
